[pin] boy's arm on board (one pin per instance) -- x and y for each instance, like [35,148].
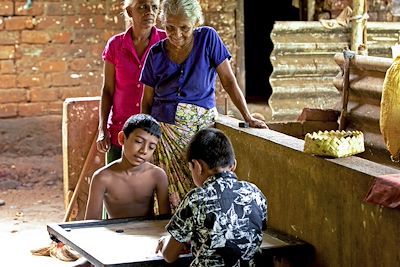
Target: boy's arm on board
[94,205]
[170,248]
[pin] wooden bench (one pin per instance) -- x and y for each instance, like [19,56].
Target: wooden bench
[132,242]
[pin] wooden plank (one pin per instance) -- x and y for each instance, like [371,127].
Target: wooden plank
[79,127]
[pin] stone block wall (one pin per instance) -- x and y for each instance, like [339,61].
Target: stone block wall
[52,51]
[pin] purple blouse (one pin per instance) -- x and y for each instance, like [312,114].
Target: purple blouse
[192,82]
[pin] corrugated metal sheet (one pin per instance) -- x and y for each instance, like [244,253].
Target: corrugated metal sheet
[367,74]
[304,66]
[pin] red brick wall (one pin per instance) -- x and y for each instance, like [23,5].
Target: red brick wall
[53,50]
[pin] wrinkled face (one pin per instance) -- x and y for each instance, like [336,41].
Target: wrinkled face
[139,147]
[179,30]
[144,12]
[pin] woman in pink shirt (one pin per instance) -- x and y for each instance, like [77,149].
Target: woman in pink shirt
[124,56]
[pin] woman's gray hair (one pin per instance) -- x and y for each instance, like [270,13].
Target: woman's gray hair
[127,3]
[188,8]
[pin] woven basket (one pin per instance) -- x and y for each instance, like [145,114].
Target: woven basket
[334,143]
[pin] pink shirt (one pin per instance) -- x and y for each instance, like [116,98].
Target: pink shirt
[128,92]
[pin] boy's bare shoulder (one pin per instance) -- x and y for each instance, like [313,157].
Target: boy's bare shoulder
[155,171]
[106,170]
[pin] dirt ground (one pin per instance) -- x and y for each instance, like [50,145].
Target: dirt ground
[31,187]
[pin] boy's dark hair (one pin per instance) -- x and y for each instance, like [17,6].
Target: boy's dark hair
[144,122]
[213,147]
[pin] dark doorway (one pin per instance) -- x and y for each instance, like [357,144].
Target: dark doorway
[259,18]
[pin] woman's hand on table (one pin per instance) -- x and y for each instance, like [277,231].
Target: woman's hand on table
[256,123]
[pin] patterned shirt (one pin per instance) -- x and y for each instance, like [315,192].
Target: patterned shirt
[223,220]
[192,82]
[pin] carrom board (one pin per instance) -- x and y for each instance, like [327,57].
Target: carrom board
[125,242]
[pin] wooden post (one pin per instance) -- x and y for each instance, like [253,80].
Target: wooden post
[310,10]
[347,55]
[358,26]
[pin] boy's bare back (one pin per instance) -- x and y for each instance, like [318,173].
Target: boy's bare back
[127,192]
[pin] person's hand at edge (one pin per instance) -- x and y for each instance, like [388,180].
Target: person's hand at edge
[255,123]
[103,142]
[160,244]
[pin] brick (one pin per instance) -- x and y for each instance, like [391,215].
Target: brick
[79,91]
[96,50]
[29,50]
[8,110]
[92,8]
[118,24]
[107,34]
[85,64]
[68,51]
[63,37]
[49,23]
[66,78]
[91,77]
[100,22]
[35,37]
[2,23]
[7,52]
[35,10]
[8,37]
[84,22]
[74,50]
[43,94]
[27,63]
[87,36]
[13,95]
[56,65]
[8,81]
[114,8]
[18,23]
[59,9]
[31,80]
[7,66]
[6,8]
[55,108]
[32,109]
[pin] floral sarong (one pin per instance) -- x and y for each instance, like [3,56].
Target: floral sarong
[171,149]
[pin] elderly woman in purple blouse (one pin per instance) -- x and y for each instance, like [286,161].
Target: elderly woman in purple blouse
[179,77]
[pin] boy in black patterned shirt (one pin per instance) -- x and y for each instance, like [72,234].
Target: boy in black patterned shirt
[222,218]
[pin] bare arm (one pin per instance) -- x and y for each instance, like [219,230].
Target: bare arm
[147,100]
[170,248]
[231,86]
[94,205]
[106,102]
[162,193]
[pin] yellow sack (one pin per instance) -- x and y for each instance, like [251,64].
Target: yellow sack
[390,110]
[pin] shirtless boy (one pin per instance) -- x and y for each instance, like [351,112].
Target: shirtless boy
[127,186]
